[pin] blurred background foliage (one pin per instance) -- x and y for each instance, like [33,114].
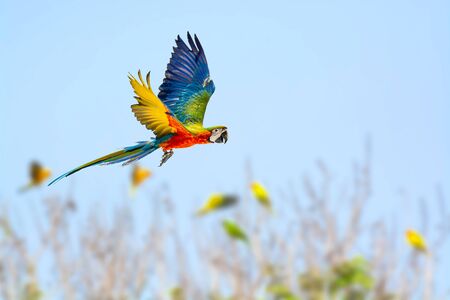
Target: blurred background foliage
[238,250]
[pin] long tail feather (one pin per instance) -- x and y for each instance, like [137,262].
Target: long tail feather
[126,155]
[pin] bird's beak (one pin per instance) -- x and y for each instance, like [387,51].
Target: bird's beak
[225,136]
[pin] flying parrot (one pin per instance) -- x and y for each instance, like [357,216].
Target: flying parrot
[234,230]
[176,115]
[416,240]
[217,201]
[138,176]
[38,174]
[260,193]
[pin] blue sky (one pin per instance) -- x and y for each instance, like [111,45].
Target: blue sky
[295,81]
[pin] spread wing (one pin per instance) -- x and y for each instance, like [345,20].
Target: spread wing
[150,111]
[186,88]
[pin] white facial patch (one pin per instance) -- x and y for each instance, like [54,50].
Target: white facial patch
[216,133]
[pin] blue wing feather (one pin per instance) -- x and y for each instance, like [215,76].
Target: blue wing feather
[186,84]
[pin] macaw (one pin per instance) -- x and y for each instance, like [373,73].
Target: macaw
[217,201]
[261,194]
[416,240]
[38,174]
[176,115]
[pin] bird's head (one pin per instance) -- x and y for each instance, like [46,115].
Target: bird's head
[410,233]
[219,134]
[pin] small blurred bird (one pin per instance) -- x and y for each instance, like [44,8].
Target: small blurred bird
[234,231]
[38,174]
[138,176]
[416,240]
[261,194]
[217,201]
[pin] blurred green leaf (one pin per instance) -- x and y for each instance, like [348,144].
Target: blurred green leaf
[177,293]
[312,283]
[352,279]
[234,231]
[281,292]
[31,291]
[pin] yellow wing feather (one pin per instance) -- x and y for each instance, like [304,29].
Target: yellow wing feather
[150,111]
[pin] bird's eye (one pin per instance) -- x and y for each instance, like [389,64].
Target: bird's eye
[206,81]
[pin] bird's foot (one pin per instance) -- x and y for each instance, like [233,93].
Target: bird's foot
[166,156]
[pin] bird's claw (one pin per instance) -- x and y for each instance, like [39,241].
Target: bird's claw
[166,156]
